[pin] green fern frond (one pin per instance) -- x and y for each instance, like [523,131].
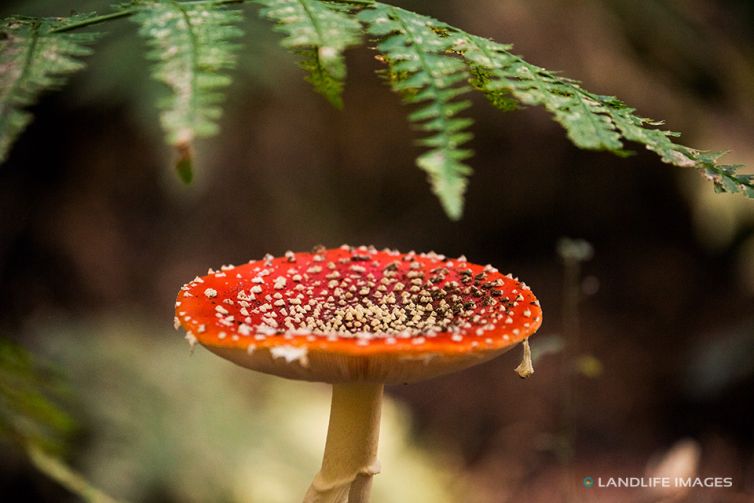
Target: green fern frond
[428,62]
[583,117]
[724,177]
[192,45]
[34,57]
[418,51]
[319,32]
[28,395]
[592,121]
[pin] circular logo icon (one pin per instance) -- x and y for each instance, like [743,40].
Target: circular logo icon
[588,482]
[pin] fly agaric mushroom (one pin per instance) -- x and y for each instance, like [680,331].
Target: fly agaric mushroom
[358,318]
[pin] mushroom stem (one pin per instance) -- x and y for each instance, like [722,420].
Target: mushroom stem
[350,459]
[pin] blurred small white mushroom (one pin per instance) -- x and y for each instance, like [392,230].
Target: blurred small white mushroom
[680,462]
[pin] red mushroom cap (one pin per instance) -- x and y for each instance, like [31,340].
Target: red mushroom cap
[357,314]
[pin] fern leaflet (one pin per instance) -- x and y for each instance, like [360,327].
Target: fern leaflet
[191,45]
[34,57]
[418,51]
[319,32]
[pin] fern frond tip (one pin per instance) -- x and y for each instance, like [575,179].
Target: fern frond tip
[34,58]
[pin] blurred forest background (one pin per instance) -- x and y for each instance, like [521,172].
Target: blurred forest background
[657,377]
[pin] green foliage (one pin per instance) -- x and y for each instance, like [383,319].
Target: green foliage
[724,177]
[592,121]
[428,62]
[31,419]
[27,413]
[34,57]
[419,51]
[191,46]
[583,117]
[319,32]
